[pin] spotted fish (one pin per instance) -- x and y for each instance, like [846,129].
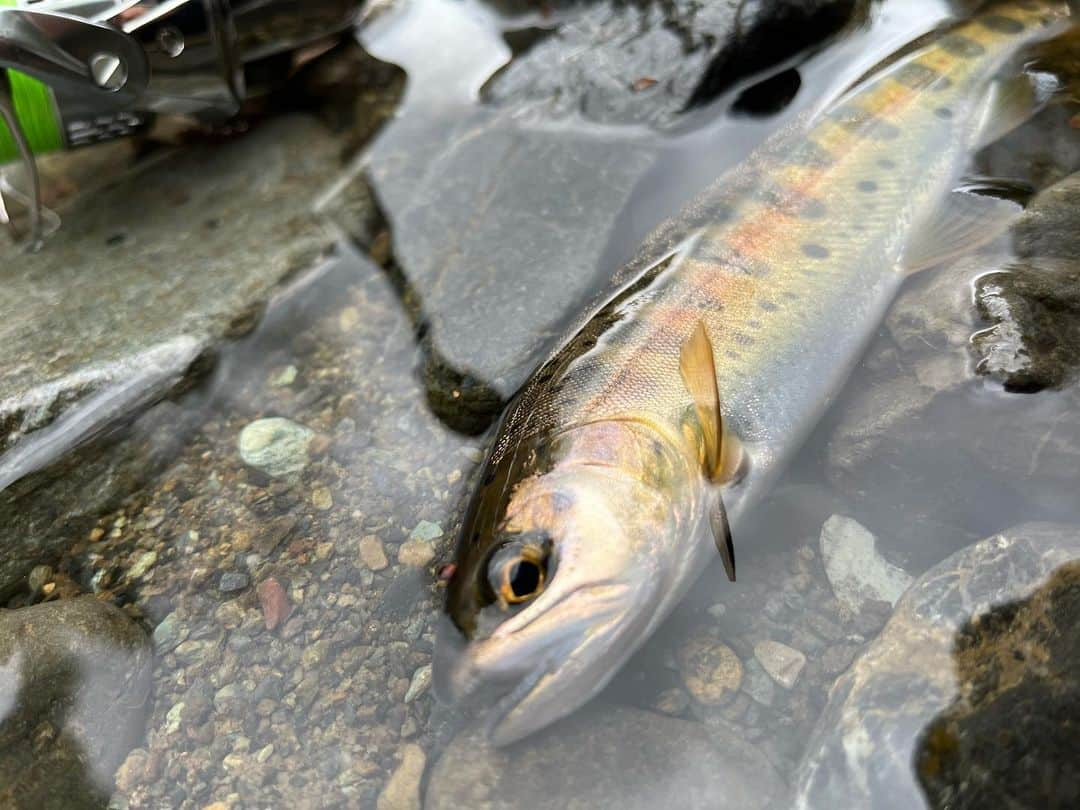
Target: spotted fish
[638,448]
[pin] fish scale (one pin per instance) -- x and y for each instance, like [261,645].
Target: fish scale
[809,272]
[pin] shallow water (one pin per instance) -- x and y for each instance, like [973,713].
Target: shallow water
[335,530]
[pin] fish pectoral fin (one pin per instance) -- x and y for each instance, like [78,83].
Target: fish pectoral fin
[721,531]
[698,368]
[962,221]
[1012,101]
[724,455]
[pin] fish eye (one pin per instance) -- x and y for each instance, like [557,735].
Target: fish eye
[522,580]
[517,573]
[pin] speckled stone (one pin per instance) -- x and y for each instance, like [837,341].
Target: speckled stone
[867,738]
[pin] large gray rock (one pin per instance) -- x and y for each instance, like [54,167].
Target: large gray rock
[165,255]
[873,728]
[156,263]
[454,178]
[604,757]
[74,684]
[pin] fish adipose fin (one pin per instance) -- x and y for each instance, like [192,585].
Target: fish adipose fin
[960,223]
[722,453]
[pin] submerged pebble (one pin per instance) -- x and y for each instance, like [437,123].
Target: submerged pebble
[857,572]
[372,554]
[416,553]
[710,669]
[276,446]
[419,684]
[783,663]
[402,792]
[233,581]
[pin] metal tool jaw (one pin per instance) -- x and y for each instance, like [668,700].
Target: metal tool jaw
[74,72]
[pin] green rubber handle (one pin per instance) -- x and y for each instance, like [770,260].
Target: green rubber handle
[36,110]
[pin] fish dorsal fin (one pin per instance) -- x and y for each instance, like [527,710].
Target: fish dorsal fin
[961,222]
[698,368]
[1012,101]
[721,531]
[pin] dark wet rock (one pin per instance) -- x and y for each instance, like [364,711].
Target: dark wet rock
[1034,308]
[1050,226]
[867,739]
[668,757]
[233,581]
[1010,738]
[645,62]
[1032,305]
[74,685]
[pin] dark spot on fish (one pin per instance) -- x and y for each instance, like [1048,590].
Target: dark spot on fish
[916,76]
[733,355]
[742,340]
[943,112]
[790,295]
[754,324]
[768,306]
[885,163]
[864,123]
[868,186]
[813,209]
[959,45]
[810,154]
[1003,25]
[815,251]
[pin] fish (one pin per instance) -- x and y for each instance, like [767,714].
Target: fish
[637,449]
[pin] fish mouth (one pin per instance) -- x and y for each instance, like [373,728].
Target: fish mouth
[547,667]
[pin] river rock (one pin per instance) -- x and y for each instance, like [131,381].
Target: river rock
[967,458]
[402,792]
[277,446]
[74,683]
[856,572]
[647,63]
[908,681]
[156,264]
[710,669]
[666,757]
[783,663]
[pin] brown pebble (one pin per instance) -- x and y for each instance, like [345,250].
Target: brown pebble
[276,607]
[96,534]
[710,669]
[644,83]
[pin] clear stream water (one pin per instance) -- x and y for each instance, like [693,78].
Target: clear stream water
[332,707]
